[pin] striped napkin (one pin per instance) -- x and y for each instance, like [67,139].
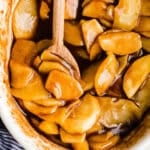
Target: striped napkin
[7,142]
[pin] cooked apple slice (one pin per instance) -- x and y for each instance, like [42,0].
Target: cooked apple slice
[25,19]
[106,74]
[88,76]
[126,14]
[72,33]
[49,102]
[82,117]
[33,91]
[82,145]
[71,7]
[123,62]
[95,50]
[101,137]
[96,128]
[136,75]
[47,66]
[63,86]
[24,51]
[71,138]
[143,95]
[37,109]
[145,8]
[106,23]
[143,25]
[21,74]
[36,62]
[110,12]
[108,1]
[95,9]
[59,116]
[145,33]
[120,42]
[146,44]
[44,10]
[103,141]
[49,128]
[85,2]
[91,29]
[116,112]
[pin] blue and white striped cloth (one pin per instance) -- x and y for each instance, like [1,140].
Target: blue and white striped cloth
[7,142]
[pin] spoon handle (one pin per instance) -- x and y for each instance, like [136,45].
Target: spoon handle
[58,22]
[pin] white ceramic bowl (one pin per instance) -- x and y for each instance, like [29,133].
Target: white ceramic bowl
[16,122]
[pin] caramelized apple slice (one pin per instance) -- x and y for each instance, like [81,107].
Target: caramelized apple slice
[104,141]
[63,86]
[24,51]
[95,9]
[81,146]
[47,66]
[101,137]
[126,14]
[143,95]
[44,10]
[91,29]
[95,50]
[83,117]
[37,109]
[143,25]
[71,138]
[146,44]
[145,8]
[49,102]
[25,19]
[115,112]
[33,91]
[106,23]
[108,1]
[71,7]
[88,76]
[123,62]
[96,128]
[145,33]
[21,74]
[136,75]
[72,34]
[106,74]
[110,12]
[49,128]
[59,116]
[85,2]
[120,42]
[36,62]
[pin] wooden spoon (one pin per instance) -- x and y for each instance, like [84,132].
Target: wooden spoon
[58,48]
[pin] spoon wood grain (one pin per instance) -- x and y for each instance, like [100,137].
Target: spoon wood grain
[58,48]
